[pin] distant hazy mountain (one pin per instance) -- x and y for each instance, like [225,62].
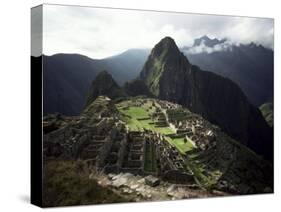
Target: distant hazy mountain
[250,66]
[67,77]
[126,66]
[170,76]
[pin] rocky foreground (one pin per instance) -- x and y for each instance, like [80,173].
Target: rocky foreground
[140,188]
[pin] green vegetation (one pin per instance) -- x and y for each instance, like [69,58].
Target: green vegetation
[153,77]
[137,112]
[267,112]
[205,182]
[181,145]
[138,118]
[68,183]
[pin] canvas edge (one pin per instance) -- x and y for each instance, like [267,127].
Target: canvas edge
[36,73]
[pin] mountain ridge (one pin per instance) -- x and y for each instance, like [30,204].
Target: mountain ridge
[248,65]
[68,77]
[205,93]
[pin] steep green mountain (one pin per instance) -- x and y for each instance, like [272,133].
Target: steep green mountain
[105,85]
[169,76]
[267,112]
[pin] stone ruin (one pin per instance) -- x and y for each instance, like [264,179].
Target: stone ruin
[191,126]
[185,124]
[110,147]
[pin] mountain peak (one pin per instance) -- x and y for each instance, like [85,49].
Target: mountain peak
[104,85]
[205,37]
[165,61]
[168,40]
[104,75]
[165,46]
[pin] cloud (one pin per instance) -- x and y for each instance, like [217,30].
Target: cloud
[202,48]
[99,33]
[246,30]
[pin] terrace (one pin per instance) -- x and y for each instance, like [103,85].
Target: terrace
[149,116]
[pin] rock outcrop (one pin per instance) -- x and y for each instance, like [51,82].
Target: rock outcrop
[104,84]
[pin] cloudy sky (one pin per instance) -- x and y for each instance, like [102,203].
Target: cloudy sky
[99,33]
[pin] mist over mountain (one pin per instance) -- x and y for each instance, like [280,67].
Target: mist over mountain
[170,76]
[249,65]
[207,41]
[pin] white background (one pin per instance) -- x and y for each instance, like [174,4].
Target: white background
[15,103]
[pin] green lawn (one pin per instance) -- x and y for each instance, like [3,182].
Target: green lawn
[136,112]
[180,144]
[164,130]
[132,116]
